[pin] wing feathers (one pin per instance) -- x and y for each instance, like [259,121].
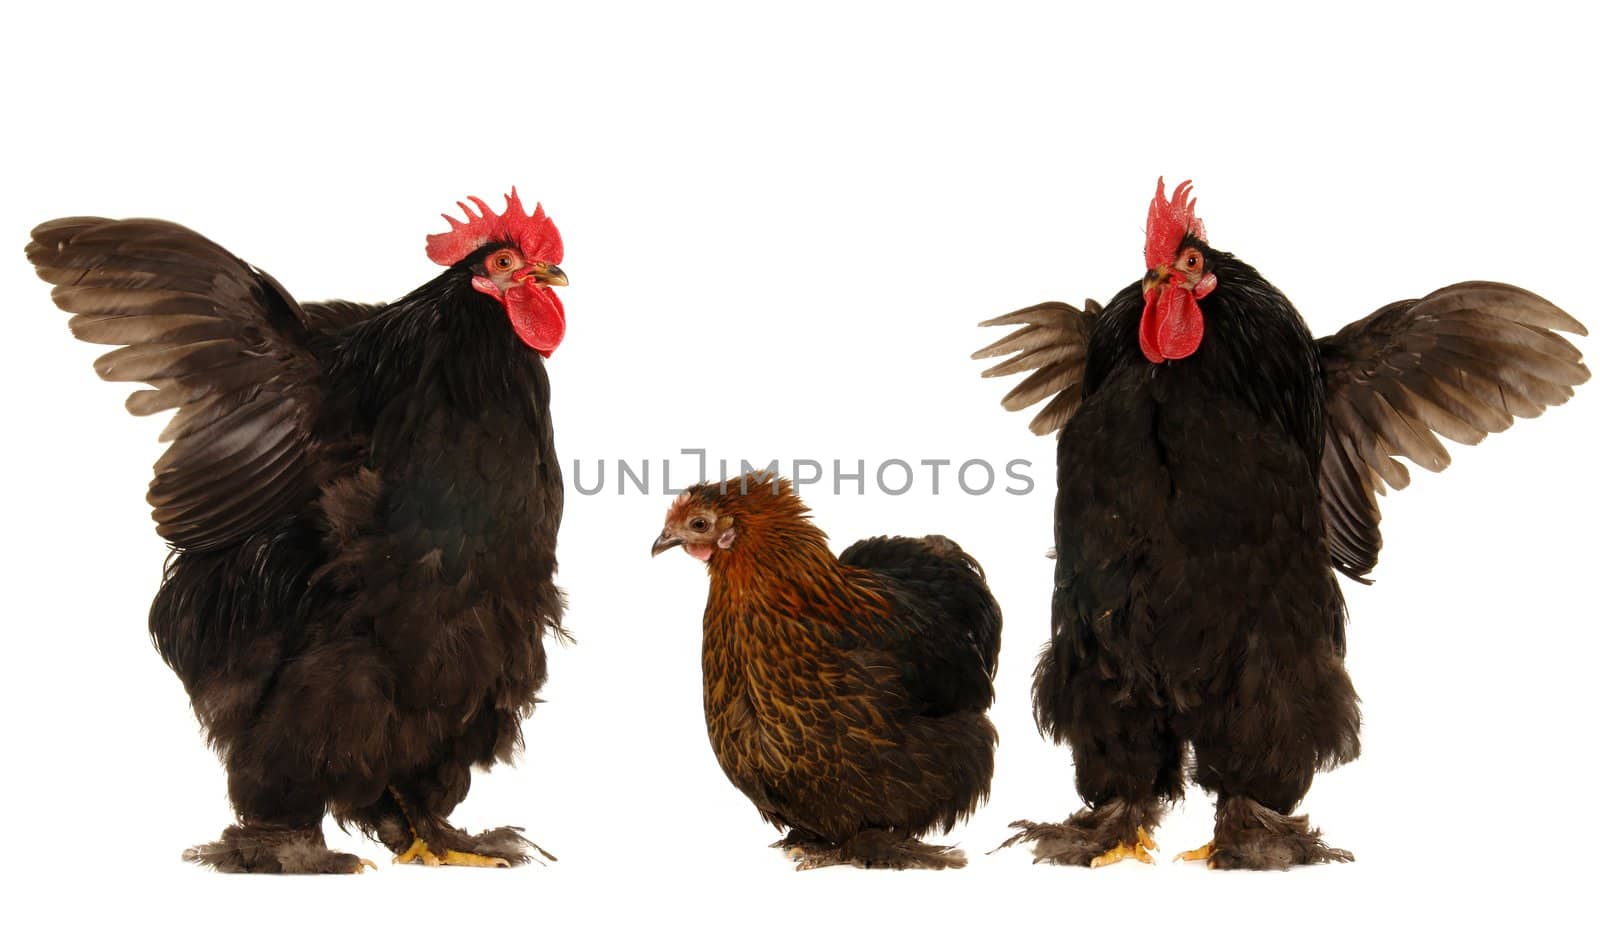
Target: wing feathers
[143,403]
[1461,363]
[116,329]
[1053,345]
[1497,300]
[215,338]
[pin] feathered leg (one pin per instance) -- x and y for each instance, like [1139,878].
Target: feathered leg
[1252,836]
[265,848]
[410,819]
[1095,836]
[1129,765]
[1258,753]
[279,831]
[871,849]
[226,637]
[434,842]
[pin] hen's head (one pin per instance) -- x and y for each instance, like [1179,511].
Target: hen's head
[512,257]
[708,519]
[1178,274]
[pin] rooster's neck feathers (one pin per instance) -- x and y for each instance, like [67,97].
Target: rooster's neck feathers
[1257,350]
[443,335]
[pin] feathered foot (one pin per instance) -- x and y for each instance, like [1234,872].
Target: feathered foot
[433,842]
[246,848]
[1094,836]
[797,838]
[502,846]
[1250,836]
[871,849]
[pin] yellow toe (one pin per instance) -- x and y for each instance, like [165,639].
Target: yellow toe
[1199,853]
[418,852]
[1120,852]
[457,858]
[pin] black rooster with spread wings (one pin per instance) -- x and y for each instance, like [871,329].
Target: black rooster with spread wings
[1215,465]
[362,503]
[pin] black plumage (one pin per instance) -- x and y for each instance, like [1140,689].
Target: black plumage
[1204,500]
[362,503]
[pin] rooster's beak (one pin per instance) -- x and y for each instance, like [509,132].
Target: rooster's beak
[546,274]
[664,542]
[1153,278]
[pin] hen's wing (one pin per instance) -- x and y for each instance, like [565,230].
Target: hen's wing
[217,339]
[1462,362]
[947,636]
[1053,345]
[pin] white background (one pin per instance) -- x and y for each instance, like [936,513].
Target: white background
[782,228]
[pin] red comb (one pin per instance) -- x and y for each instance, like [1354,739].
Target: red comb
[535,236]
[1169,223]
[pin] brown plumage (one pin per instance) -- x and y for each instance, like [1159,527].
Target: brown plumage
[362,503]
[844,696]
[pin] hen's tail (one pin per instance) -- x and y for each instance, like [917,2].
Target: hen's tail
[940,575]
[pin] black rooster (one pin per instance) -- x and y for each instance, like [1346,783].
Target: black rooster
[362,503]
[1215,465]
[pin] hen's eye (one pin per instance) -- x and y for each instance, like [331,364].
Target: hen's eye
[699,524]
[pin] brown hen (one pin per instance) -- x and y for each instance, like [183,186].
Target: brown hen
[844,696]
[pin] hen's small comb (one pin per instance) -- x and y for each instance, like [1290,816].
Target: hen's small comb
[535,236]
[1169,222]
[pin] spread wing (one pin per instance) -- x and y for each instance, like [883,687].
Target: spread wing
[215,338]
[1052,344]
[1461,363]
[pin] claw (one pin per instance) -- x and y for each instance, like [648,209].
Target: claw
[457,858]
[1137,850]
[365,865]
[1199,853]
[1120,852]
[418,852]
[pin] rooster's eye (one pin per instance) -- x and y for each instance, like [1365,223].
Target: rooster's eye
[503,261]
[1191,262]
[699,524]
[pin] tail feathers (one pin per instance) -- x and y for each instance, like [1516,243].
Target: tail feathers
[900,553]
[946,584]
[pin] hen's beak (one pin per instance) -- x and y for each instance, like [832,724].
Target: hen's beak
[664,542]
[546,274]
